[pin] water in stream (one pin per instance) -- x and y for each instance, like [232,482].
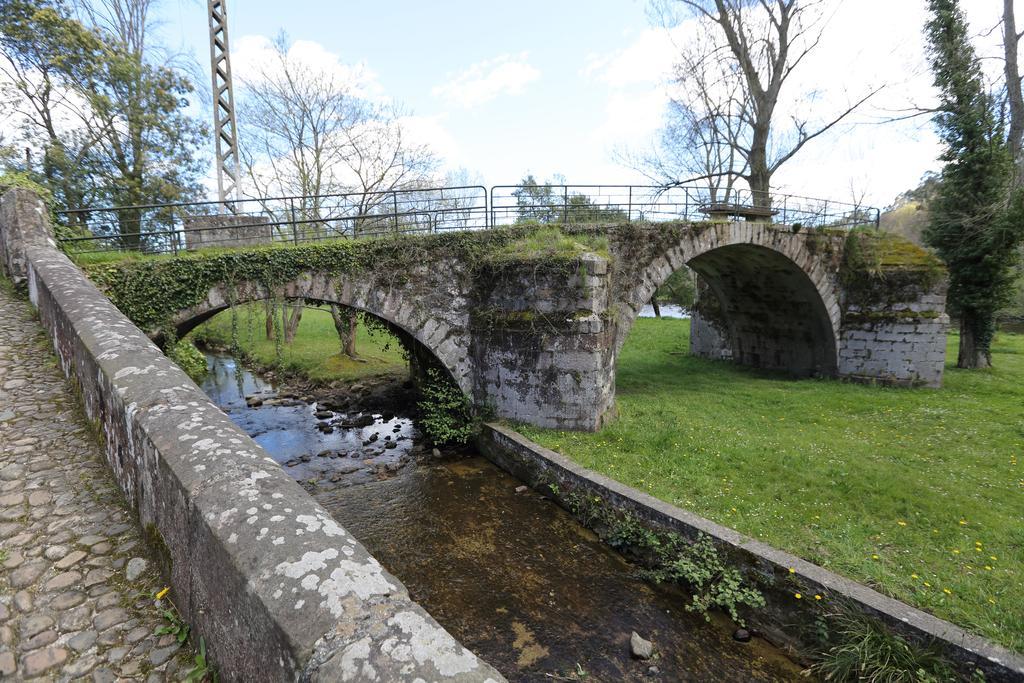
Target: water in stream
[510,575]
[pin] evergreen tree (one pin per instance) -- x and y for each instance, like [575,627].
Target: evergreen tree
[977,217]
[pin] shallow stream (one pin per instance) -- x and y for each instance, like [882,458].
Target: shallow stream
[511,575]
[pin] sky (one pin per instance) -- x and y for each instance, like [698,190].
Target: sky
[563,87]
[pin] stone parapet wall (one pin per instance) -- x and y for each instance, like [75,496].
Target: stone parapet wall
[278,590]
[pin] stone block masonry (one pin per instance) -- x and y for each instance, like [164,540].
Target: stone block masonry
[532,334]
[542,344]
[276,587]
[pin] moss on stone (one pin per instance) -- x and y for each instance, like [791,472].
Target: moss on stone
[549,243]
[881,270]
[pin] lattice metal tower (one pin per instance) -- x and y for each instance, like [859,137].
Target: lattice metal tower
[224,123]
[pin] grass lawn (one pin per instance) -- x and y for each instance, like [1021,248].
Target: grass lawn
[915,492]
[315,353]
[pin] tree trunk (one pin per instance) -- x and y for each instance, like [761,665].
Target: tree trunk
[655,306]
[270,319]
[345,322]
[1014,98]
[291,320]
[973,352]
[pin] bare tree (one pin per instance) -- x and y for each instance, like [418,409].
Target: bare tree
[757,45]
[308,134]
[704,124]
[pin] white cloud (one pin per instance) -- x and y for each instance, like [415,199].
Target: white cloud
[648,60]
[430,131]
[631,118]
[866,43]
[487,80]
[254,57]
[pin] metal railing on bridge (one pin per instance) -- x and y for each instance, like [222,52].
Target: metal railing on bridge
[627,203]
[173,228]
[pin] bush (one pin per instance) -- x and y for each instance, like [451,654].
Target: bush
[189,358]
[445,413]
[867,651]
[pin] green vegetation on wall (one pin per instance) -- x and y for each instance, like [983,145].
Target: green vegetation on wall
[150,291]
[880,270]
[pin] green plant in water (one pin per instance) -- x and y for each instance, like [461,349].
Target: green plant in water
[867,651]
[669,557]
[713,582]
[188,357]
[446,416]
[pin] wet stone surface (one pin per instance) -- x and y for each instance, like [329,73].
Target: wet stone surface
[67,609]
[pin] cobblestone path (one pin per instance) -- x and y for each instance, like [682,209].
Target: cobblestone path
[76,579]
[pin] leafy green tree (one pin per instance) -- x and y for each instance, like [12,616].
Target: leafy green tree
[112,126]
[44,52]
[536,202]
[549,203]
[679,289]
[977,218]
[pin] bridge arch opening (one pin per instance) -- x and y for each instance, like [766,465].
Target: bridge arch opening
[419,356]
[759,308]
[756,305]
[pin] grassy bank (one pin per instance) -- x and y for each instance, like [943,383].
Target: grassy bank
[917,493]
[315,352]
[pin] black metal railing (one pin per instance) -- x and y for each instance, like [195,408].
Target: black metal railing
[173,228]
[616,203]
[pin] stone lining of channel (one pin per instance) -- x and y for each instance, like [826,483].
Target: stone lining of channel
[785,620]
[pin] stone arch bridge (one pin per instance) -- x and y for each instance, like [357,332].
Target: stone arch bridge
[535,336]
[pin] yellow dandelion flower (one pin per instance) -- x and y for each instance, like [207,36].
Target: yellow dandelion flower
[792,570]
[963,522]
[901,523]
[797,596]
[992,601]
[955,551]
[817,597]
[927,584]
[914,576]
[874,557]
[947,591]
[988,567]
[162,593]
[992,557]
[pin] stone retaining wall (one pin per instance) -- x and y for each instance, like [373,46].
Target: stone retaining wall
[276,587]
[778,573]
